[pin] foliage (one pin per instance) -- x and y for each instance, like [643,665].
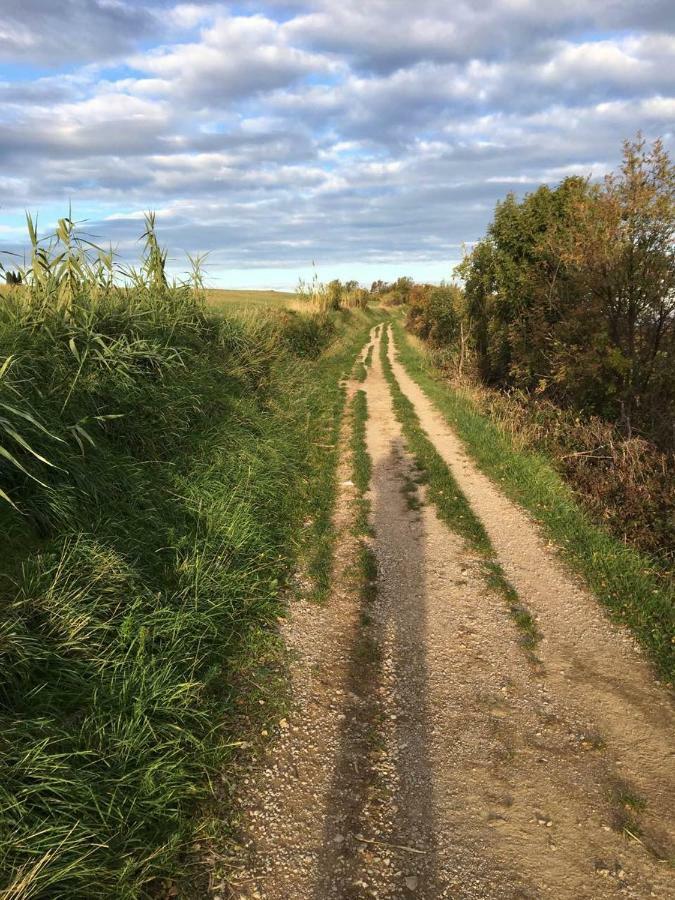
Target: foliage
[332,296]
[434,313]
[396,293]
[572,293]
[625,482]
[156,466]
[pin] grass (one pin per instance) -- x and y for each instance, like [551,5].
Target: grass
[362,473]
[453,507]
[219,300]
[360,456]
[164,549]
[362,365]
[335,366]
[628,583]
[442,489]
[157,466]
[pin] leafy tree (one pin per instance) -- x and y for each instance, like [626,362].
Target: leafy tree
[572,293]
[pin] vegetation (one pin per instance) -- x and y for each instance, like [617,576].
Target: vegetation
[168,465]
[625,483]
[392,294]
[565,335]
[332,296]
[157,464]
[572,294]
[629,583]
[221,300]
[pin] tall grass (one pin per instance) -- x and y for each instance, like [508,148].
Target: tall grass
[156,465]
[332,296]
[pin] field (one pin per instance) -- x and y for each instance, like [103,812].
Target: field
[222,300]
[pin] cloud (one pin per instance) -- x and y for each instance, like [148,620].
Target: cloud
[42,33]
[374,133]
[235,57]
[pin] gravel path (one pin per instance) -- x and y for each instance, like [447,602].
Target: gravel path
[425,755]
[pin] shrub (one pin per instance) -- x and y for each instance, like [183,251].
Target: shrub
[434,313]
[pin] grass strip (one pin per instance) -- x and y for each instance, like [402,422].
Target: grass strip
[362,472]
[452,505]
[325,413]
[625,581]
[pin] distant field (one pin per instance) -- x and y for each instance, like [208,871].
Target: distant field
[223,299]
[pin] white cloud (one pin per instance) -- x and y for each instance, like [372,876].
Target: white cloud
[236,56]
[379,131]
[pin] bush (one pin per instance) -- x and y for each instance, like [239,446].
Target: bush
[434,313]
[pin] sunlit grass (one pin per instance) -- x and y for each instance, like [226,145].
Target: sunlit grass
[221,300]
[158,466]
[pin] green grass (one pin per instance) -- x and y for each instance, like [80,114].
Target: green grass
[629,584]
[362,470]
[324,415]
[360,372]
[161,463]
[453,507]
[442,489]
[360,456]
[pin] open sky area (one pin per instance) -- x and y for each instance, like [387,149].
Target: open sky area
[370,136]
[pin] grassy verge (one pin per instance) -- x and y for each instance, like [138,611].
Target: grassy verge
[158,465]
[629,584]
[452,505]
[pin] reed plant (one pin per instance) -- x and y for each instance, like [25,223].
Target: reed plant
[156,466]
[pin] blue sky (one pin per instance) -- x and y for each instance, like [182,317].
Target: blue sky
[372,138]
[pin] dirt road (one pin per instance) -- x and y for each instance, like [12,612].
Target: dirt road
[426,756]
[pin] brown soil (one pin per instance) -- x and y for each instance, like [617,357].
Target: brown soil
[425,754]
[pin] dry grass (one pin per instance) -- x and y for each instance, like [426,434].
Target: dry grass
[222,300]
[625,483]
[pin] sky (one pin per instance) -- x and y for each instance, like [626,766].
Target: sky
[371,138]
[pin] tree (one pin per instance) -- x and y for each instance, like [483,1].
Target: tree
[572,293]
